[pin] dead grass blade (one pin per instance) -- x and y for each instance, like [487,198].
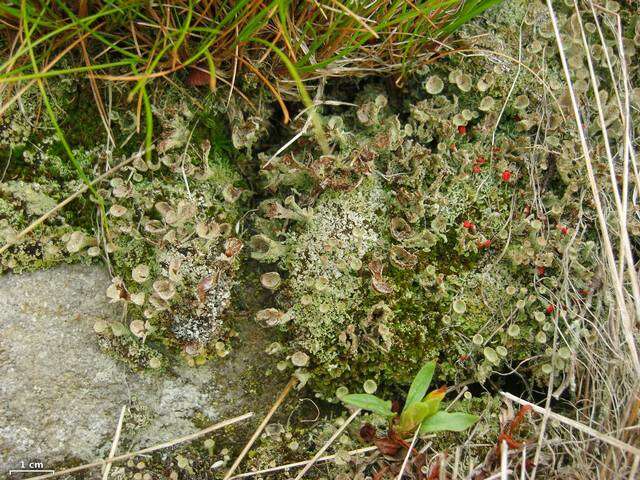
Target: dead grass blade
[576,425]
[160,446]
[329,442]
[261,427]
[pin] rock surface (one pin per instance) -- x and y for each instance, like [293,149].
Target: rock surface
[60,395]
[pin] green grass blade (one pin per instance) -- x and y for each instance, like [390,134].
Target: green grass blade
[52,115]
[7,78]
[369,402]
[306,99]
[448,422]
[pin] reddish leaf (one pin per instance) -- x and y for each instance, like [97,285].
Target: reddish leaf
[380,473]
[434,471]
[387,446]
[418,462]
[368,432]
[513,444]
[393,435]
[198,78]
[517,420]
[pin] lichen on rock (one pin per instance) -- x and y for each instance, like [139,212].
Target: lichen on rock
[165,226]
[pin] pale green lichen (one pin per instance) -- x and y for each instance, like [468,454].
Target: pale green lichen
[452,229]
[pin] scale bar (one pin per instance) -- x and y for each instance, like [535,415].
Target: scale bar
[31,471]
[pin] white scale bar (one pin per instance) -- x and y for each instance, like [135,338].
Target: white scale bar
[31,471]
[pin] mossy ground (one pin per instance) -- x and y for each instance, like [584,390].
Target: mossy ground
[446,224]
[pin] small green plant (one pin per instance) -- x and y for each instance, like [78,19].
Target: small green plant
[421,410]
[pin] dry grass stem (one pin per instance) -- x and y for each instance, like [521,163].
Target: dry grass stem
[289,466]
[408,455]
[292,382]
[577,425]
[114,444]
[327,444]
[160,446]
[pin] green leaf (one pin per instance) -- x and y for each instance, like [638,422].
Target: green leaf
[420,384]
[433,405]
[369,402]
[445,421]
[415,414]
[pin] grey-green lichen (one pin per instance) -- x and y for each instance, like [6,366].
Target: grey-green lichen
[172,241]
[440,228]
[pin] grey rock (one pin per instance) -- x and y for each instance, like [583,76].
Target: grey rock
[60,395]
